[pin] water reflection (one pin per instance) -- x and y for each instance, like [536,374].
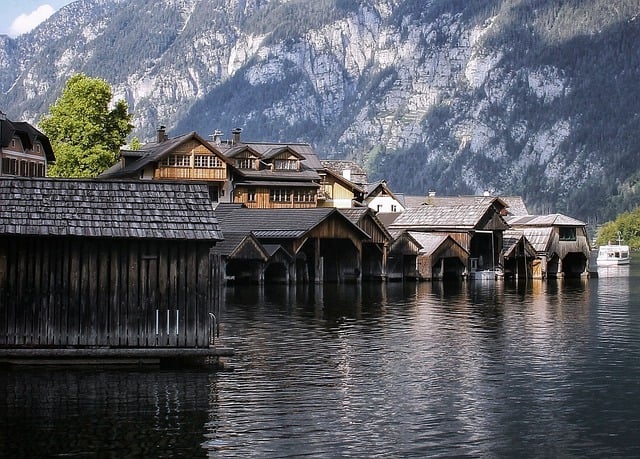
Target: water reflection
[471,369]
[105,413]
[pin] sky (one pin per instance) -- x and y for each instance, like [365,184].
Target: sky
[21,16]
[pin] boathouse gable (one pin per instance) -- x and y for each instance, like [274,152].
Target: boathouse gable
[403,254]
[375,250]
[560,241]
[323,243]
[86,263]
[518,255]
[476,227]
[440,256]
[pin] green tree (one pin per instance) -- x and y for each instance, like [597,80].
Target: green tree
[135,144]
[627,224]
[85,134]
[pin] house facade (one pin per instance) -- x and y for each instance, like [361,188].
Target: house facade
[272,176]
[24,150]
[337,191]
[380,198]
[255,174]
[184,158]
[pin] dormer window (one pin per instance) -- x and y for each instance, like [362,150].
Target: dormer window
[245,163]
[285,164]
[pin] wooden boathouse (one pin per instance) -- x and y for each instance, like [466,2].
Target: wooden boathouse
[107,270]
[295,245]
[476,226]
[561,244]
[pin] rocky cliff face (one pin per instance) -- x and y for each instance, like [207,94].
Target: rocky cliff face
[518,97]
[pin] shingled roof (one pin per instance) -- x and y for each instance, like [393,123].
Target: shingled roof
[113,209]
[450,217]
[544,220]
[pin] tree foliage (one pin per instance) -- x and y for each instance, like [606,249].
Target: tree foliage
[628,224]
[85,134]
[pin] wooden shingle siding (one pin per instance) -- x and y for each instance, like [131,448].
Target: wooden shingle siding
[106,209]
[106,264]
[126,293]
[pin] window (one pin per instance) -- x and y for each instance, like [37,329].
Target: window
[280,195]
[207,161]
[394,208]
[251,195]
[24,168]
[303,196]
[285,164]
[177,161]
[10,166]
[244,163]
[213,193]
[567,233]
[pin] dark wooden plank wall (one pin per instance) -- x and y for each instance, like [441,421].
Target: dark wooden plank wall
[120,293]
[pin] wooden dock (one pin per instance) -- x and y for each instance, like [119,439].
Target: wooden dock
[114,356]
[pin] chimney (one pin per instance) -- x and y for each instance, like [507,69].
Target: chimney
[346,173]
[235,139]
[432,193]
[162,134]
[217,137]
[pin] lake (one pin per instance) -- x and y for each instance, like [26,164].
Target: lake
[467,369]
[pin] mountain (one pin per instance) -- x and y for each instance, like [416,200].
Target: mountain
[537,98]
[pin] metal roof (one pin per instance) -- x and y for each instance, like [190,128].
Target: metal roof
[114,209]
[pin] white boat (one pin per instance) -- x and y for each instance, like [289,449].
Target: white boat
[613,254]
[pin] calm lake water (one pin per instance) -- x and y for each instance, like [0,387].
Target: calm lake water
[476,369]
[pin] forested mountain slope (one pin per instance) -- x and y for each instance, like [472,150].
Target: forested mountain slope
[531,97]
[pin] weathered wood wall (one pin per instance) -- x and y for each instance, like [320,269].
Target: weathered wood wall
[94,292]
